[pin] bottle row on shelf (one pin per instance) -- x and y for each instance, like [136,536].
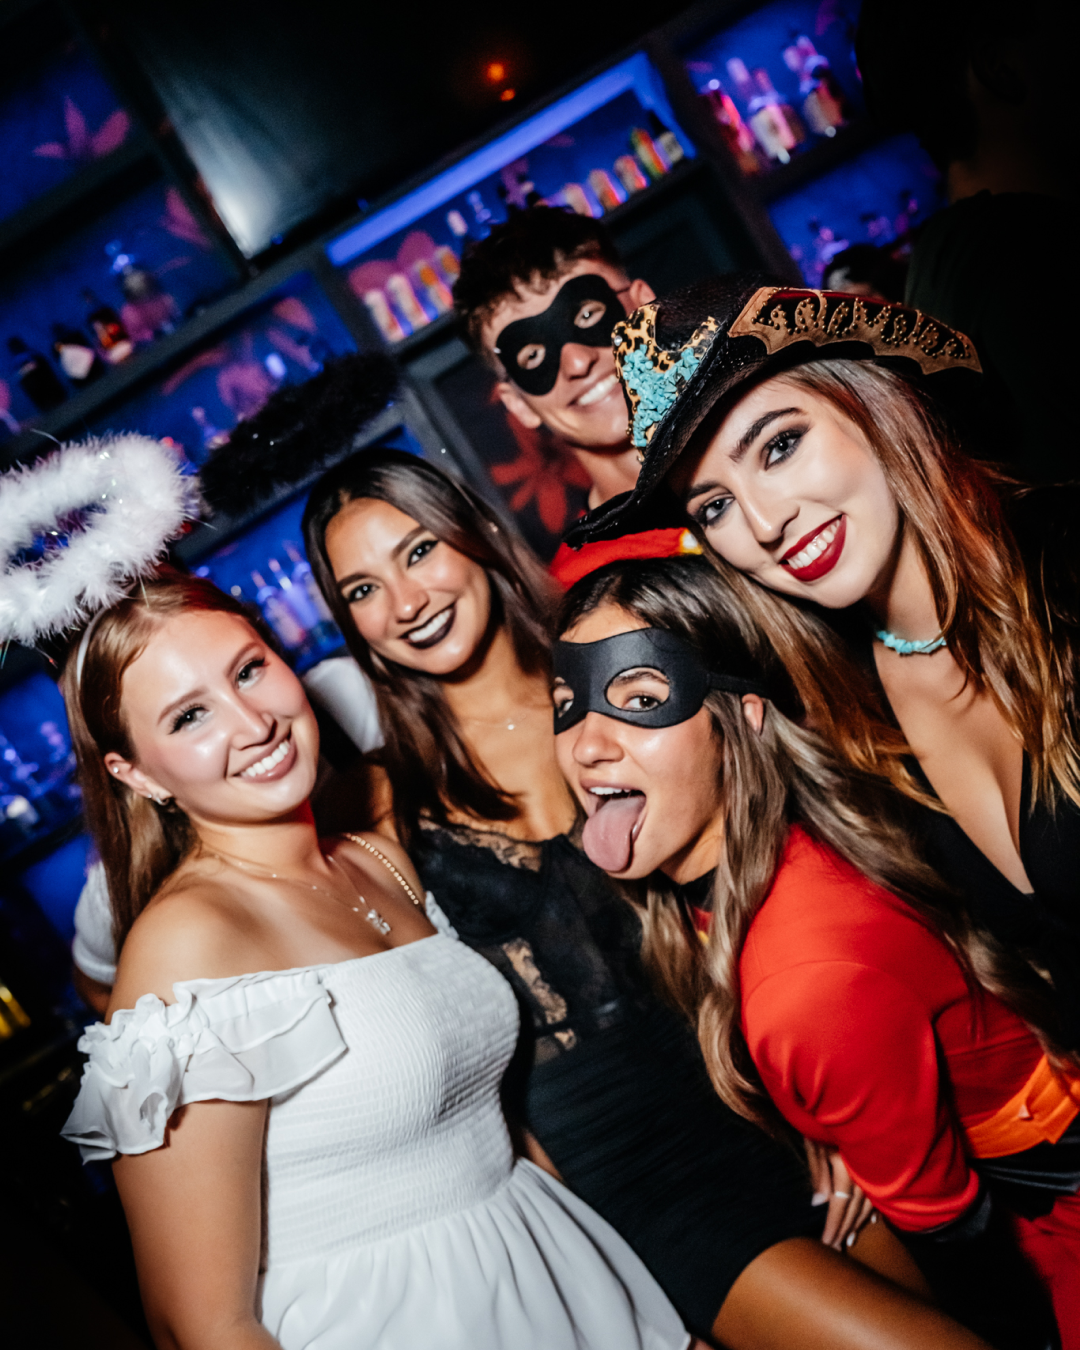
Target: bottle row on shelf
[106,338]
[290,601]
[769,130]
[36,795]
[412,298]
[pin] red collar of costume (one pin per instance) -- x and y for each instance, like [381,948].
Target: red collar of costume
[569,564]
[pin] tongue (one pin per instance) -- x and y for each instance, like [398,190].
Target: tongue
[608,834]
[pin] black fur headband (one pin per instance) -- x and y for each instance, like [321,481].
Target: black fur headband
[300,429]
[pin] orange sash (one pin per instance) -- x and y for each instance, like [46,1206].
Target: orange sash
[1041,1111]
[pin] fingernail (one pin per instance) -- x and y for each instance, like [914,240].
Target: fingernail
[820,1198]
[849,1241]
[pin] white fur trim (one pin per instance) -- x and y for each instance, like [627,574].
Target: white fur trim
[143,502]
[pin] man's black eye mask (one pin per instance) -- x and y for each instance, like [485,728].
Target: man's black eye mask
[588,668]
[554,328]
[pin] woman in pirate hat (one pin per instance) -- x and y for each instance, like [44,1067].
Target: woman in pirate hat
[928,607]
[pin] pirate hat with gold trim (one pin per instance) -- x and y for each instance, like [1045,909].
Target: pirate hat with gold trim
[678,357]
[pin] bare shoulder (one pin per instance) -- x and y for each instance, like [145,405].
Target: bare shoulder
[193,929]
[390,849]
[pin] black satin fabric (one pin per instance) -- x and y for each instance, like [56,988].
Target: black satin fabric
[608,1079]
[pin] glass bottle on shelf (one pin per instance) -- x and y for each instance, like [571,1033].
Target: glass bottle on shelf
[75,355]
[823,103]
[278,614]
[606,191]
[737,135]
[432,286]
[629,174]
[112,337]
[210,435]
[303,579]
[386,320]
[775,124]
[403,298]
[448,263]
[483,217]
[37,378]
[666,140]
[149,311]
[650,155]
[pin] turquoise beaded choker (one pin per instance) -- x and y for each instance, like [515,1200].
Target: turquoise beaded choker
[903,648]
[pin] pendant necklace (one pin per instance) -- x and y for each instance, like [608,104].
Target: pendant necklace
[371,915]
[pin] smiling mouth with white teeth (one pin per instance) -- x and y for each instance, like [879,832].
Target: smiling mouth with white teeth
[600,390]
[269,762]
[436,628]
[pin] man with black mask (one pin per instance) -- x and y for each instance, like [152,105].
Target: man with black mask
[538,299]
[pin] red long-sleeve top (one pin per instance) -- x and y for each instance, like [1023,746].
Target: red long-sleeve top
[867,1036]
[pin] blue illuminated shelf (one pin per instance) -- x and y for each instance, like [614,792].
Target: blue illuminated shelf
[597,150]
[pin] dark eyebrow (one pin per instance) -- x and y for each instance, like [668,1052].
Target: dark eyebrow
[635,673]
[745,441]
[400,547]
[754,430]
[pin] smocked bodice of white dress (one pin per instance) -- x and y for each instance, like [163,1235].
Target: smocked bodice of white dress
[395,1213]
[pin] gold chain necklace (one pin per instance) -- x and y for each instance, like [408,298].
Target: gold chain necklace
[372,915]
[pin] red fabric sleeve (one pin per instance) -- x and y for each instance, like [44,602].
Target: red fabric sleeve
[849,1056]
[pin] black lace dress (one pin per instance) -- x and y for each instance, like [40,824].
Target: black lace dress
[608,1079]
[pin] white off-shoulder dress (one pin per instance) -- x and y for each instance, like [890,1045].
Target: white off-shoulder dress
[396,1215]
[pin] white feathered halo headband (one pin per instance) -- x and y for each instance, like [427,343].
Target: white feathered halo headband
[80,526]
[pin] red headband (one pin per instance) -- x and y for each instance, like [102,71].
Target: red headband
[570,565]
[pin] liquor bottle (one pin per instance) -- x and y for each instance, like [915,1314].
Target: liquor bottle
[607,192]
[210,435]
[295,596]
[573,195]
[403,298]
[303,578]
[385,319]
[149,311]
[112,337]
[449,263]
[484,218]
[737,135]
[278,614]
[669,144]
[75,355]
[38,379]
[773,122]
[823,103]
[433,287]
[651,156]
[630,175]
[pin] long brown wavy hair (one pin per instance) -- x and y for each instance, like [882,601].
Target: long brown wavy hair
[427,762]
[1006,627]
[140,843]
[788,774]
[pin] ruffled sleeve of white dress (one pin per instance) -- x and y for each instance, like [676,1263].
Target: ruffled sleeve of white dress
[242,1039]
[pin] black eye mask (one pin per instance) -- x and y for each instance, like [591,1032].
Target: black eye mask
[588,668]
[554,328]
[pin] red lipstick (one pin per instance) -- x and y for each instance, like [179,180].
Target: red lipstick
[825,561]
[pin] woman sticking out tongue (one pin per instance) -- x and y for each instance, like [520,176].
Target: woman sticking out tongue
[842,991]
